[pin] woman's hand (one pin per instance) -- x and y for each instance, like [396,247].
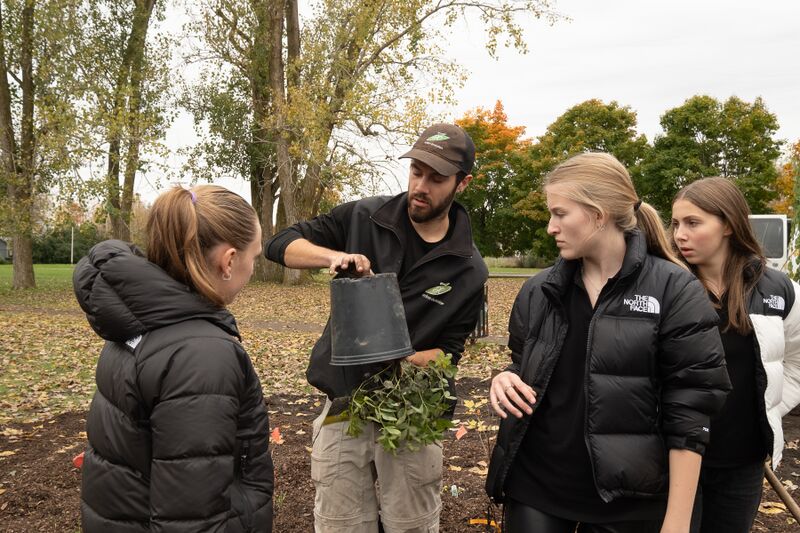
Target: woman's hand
[509,394]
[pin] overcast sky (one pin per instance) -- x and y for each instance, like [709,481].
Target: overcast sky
[645,54]
[649,55]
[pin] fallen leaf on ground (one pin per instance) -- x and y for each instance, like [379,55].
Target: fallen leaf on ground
[478,470]
[483,522]
[78,460]
[772,508]
[275,436]
[461,432]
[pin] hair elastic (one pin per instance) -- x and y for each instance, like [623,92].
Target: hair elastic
[636,206]
[194,197]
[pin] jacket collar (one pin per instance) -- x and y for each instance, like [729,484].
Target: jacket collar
[390,214]
[563,271]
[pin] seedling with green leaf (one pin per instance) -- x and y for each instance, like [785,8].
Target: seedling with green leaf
[408,403]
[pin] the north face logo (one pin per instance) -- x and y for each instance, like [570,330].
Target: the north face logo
[643,304]
[775,302]
[134,342]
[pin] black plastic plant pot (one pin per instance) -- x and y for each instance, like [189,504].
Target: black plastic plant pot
[368,322]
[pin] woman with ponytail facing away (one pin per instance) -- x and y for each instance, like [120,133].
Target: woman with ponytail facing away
[178,430]
[616,368]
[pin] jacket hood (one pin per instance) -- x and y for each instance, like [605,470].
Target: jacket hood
[124,295]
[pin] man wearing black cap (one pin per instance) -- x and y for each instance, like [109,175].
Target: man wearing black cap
[424,237]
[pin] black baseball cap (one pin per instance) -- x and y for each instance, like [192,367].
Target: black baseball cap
[446,148]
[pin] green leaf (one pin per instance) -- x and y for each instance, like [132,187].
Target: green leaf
[408,405]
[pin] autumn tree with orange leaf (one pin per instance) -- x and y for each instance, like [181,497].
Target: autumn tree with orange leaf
[500,168]
[788,187]
[591,126]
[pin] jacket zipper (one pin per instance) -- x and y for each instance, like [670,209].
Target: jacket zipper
[586,396]
[601,299]
[248,510]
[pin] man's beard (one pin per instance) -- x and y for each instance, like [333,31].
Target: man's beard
[432,212]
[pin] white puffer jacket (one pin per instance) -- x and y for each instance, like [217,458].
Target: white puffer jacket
[775,315]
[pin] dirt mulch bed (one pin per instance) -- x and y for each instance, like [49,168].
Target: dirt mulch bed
[40,488]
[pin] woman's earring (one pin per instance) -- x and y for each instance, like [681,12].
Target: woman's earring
[226,277]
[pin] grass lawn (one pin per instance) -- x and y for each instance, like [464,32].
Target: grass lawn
[47,276]
[512,270]
[60,276]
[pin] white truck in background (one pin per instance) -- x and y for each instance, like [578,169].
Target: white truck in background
[774,232]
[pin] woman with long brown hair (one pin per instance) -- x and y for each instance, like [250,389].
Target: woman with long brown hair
[616,368]
[760,330]
[178,430]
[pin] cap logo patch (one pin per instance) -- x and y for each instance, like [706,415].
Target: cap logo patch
[439,289]
[438,137]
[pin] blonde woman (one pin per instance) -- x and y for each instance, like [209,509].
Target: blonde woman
[760,329]
[616,369]
[178,431]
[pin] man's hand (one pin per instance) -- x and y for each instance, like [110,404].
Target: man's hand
[422,358]
[302,253]
[356,264]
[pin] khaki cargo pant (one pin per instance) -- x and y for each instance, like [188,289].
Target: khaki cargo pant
[345,470]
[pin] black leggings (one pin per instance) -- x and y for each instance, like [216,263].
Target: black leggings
[519,518]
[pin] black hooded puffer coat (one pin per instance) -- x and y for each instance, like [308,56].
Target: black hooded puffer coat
[655,370]
[178,430]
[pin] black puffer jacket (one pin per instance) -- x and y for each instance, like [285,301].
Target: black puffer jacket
[178,430]
[654,373]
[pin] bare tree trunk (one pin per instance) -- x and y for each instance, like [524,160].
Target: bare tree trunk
[126,203]
[272,271]
[141,23]
[292,44]
[286,175]
[22,190]
[262,165]
[8,143]
[129,81]
[115,129]
[112,184]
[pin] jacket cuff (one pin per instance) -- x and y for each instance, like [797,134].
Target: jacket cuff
[693,443]
[276,248]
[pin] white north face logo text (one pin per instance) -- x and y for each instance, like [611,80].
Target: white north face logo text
[775,302]
[134,342]
[643,304]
